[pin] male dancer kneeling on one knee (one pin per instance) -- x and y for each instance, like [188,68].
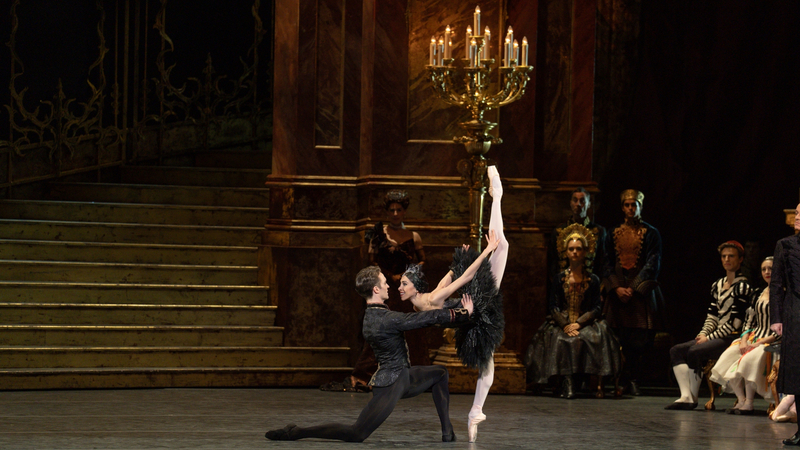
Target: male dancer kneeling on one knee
[395,378]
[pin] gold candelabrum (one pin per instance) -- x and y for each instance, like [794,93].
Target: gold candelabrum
[471,91]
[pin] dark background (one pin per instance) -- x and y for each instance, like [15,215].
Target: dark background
[712,139]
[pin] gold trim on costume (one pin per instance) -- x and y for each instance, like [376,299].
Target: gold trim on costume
[628,243]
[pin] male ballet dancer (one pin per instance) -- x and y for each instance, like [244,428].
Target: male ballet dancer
[395,378]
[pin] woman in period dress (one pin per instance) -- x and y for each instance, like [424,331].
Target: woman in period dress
[744,366]
[476,276]
[575,340]
[392,247]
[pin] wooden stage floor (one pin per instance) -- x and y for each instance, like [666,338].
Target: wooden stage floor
[237,419]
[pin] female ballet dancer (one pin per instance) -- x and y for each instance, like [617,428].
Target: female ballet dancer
[477,340]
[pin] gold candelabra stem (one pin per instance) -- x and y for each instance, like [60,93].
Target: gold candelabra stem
[473,95]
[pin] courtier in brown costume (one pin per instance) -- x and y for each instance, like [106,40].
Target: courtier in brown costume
[634,301]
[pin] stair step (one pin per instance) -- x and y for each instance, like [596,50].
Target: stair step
[128,233]
[165,377]
[85,357]
[127,273]
[194,176]
[138,213]
[139,336]
[134,314]
[127,253]
[161,194]
[141,294]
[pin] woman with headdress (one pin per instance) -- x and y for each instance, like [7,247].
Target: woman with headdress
[392,247]
[474,275]
[575,340]
[743,367]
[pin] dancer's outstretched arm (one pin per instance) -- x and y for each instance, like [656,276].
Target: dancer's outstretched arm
[500,255]
[435,299]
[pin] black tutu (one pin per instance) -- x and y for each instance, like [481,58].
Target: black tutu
[552,352]
[477,339]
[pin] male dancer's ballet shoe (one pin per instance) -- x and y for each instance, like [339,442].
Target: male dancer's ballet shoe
[472,428]
[682,406]
[281,434]
[743,412]
[794,440]
[449,438]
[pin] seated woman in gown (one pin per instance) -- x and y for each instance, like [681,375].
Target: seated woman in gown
[743,367]
[575,340]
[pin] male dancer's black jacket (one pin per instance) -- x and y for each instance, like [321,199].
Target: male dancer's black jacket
[383,329]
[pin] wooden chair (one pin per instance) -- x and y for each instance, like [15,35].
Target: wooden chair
[711,388]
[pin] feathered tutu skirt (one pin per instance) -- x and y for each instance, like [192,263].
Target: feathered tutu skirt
[477,339]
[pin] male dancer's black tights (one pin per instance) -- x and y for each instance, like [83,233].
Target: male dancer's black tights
[412,382]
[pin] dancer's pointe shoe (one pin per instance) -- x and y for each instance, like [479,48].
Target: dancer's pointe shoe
[472,429]
[281,434]
[495,189]
[788,417]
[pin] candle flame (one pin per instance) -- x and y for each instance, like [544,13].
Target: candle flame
[510,30]
[469,30]
[478,9]
[525,41]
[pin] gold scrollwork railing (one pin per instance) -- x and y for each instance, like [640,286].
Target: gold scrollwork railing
[63,127]
[64,123]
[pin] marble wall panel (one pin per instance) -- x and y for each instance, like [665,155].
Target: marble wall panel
[553,83]
[316,113]
[329,73]
[579,163]
[517,156]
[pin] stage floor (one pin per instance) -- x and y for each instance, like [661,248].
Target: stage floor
[237,419]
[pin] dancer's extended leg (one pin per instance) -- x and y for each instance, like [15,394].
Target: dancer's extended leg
[500,254]
[498,264]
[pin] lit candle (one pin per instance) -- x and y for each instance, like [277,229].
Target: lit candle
[469,38]
[473,53]
[524,51]
[516,53]
[476,20]
[447,42]
[441,51]
[450,49]
[508,53]
[433,50]
[487,39]
[509,44]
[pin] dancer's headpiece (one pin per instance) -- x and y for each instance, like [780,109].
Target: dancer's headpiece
[416,277]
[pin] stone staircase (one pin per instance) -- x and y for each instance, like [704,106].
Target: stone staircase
[149,282]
